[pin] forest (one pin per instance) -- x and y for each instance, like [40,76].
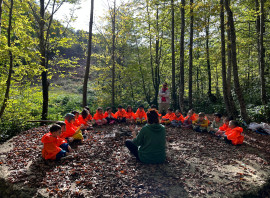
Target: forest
[214,55]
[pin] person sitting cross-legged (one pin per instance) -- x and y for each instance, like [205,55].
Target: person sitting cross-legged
[149,145]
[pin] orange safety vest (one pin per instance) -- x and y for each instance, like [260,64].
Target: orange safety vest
[140,114]
[121,114]
[51,147]
[235,135]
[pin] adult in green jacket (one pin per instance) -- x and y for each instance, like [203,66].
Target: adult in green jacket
[149,145]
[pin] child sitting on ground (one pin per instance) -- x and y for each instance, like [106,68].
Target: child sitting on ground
[76,114]
[191,115]
[154,107]
[178,119]
[130,115]
[98,118]
[83,119]
[201,124]
[141,115]
[109,116]
[224,127]
[168,117]
[89,117]
[54,147]
[233,134]
[121,114]
[187,124]
[71,130]
[215,124]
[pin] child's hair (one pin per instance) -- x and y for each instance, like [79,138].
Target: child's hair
[69,117]
[61,123]
[99,108]
[153,106]
[177,111]
[75,112]
[108,108]
[201,114]
[129,107]
[152,117]
[120,106]
[54,128]
[85,113]
[234,123]
[141,106]
[86,107]
[170,109]
[217,115]
[228,118]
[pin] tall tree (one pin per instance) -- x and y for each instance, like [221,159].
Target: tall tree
[113,54]
[237,86]
[8,81]
[190,56]
[1,1]
[182,58]
[87,68]
[223,59]
[262,53]
[174,102]
[208,55]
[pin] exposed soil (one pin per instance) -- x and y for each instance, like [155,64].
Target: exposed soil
[198,165]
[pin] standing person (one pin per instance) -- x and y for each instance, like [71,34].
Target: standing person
[164,98]
[149,145]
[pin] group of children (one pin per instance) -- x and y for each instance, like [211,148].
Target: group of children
[56,142]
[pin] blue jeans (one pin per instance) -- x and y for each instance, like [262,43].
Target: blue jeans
[61,154]
[176,123]
[64,146]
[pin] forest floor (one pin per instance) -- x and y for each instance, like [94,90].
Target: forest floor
[197,165]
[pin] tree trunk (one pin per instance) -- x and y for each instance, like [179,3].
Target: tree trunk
[10,61]
[45,84]
[262,55]
[113,56]
[223,59]
[208,56]
[174,102]
[190,56]
[1,1]
[234,63]
[182,54]
[87,68]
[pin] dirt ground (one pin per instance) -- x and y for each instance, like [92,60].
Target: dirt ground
[197,165]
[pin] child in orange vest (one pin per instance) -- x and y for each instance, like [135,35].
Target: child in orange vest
[154,107]
[178,119]
[233,134]
[187,124]
[130,115]
[141,115]
[89,117]
[109,116]
[54,147]
[168,117]
[201,124]
[98,118]
[71,130]
[121,114]
[224,127]
[76,114]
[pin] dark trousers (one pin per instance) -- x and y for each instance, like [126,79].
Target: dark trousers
[121,120]
[61,154]
[132,148]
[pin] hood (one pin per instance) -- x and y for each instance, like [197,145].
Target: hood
[154,127]
[239,129]
[48,138]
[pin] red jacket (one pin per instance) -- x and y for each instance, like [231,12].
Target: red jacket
[169,116]
[121,114]
[51,146]
[70,130]
[235,135]
[98,116]
[77,122]
[224,127]
[130,115]
[82,120]
[193,117]
[106,115]
[89,117]
[140,114]
[180,118]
